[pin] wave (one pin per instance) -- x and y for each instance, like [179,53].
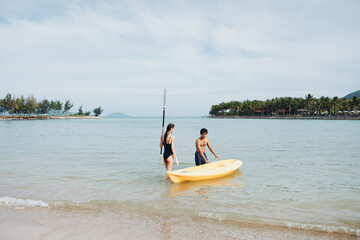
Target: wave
[316,227]
[19,203]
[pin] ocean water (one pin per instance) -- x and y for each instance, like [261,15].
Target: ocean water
[296,173]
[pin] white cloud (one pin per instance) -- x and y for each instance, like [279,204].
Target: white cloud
[120,55]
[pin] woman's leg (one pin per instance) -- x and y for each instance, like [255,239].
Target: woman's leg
[168,165]
[170,162]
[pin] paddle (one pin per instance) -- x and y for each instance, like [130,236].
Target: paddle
[162,130]
[163,122]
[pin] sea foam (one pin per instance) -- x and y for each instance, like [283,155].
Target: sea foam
[18,203]
[309,226]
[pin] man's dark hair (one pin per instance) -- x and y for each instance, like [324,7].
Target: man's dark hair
[203,130]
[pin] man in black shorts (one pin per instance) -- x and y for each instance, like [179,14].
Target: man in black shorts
[201,143]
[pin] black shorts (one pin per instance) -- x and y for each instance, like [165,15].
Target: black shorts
[199,160]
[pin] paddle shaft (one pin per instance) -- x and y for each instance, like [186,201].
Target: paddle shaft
[162,131]
[163,121]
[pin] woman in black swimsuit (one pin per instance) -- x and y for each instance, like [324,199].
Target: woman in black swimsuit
[169,148]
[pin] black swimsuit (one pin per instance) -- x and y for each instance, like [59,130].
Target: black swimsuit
[167,151]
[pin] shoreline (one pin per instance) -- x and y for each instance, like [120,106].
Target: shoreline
[17,205]
[347,117]
[45,223]
[39,117]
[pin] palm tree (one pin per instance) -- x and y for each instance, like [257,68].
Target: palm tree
[297,103]
[322,104]
[308,100]
[44,107]
[236,107]
[232,108]
[247,108]
[67,106]
[98,111]
[80,111]
[52,106]
[355,103]
[256,105]
[344,105]
[30,104]
[7,103]
[18,105]
[335,104]
[327,104]
[214,111]
[58,106]
[2,108]
[288,103]
[316,106]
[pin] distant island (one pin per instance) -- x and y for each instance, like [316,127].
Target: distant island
[351,95]
[44,117]
[118,115]
[291,108]
[20,108]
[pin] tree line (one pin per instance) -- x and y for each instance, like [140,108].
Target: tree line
[30,105]
[288,106]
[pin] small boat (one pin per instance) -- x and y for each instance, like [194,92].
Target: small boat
[206,171]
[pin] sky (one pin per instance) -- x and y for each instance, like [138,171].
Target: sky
[120,55]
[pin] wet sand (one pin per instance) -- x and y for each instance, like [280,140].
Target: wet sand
[53,224]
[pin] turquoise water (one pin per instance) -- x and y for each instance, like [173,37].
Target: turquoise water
[302,173]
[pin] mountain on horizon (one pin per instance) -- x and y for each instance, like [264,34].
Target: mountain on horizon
[118,115]
[350,95]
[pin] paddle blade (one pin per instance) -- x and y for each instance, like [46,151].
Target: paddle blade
[164,97]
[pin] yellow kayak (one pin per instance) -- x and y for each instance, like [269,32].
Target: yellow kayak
[206,171]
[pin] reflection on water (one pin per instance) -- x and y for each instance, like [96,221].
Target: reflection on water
[203,188]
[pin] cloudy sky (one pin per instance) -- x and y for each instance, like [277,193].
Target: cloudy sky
[121,54]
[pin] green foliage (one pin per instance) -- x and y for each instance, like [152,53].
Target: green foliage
[20,106]
[43,107]
[58,106]
[55,106]
[80,111]
[30,105]
[6,103]
[98,111]
[287,106]
[67,106]
[52,106]
[2,108]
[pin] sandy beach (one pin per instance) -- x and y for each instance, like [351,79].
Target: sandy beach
[53,224]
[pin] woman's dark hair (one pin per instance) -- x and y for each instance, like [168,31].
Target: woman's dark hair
[168,128]
[203,130]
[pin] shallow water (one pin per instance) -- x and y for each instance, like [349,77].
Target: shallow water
[301,173]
